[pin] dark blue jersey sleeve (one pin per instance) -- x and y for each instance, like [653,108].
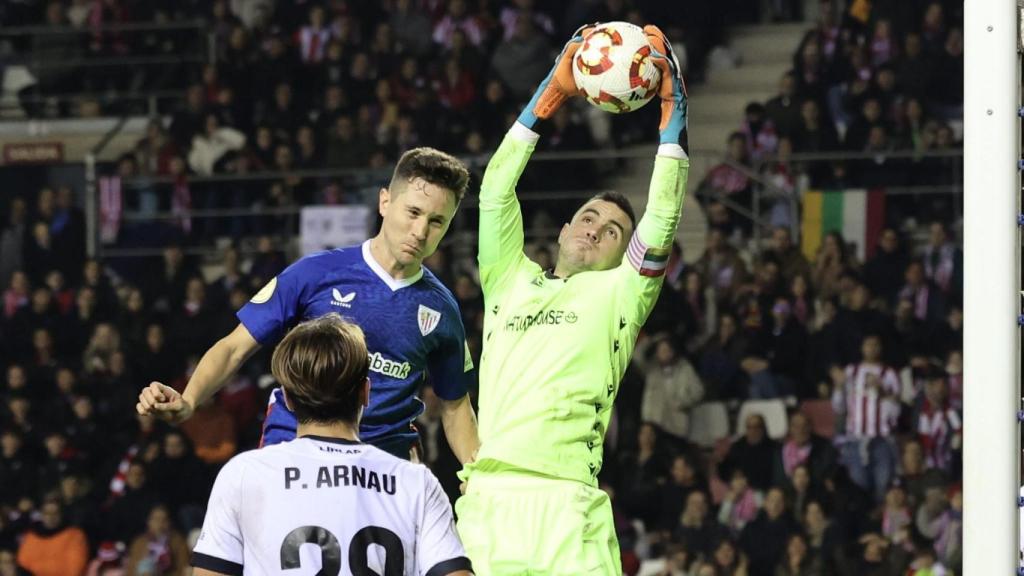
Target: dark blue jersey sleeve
[450,365]
[280,304]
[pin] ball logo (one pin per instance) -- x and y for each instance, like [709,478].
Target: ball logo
[265,293]
[593,58]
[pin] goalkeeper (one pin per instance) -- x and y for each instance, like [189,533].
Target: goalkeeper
[557,343]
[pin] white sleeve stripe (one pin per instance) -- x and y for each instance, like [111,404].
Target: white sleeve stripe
[521,132]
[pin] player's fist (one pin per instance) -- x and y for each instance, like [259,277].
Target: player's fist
[163,402]
[672,89]
[559,85]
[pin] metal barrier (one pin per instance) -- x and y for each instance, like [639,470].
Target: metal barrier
[235,205]
[121,66]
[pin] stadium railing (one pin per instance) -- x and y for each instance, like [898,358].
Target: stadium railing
[129,67]
[235,205]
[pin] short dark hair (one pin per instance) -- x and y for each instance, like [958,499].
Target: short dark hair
[619,200]
[322,365]
[434,166]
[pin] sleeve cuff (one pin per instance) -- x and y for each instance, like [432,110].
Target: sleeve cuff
[449,566]
[671,151]
[214,564]
[520,132]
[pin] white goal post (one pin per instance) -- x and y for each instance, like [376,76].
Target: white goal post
[991,286]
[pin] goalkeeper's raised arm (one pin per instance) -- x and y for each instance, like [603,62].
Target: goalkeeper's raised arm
[556,344]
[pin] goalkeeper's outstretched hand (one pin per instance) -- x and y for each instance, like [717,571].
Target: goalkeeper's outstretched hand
[672,90]
[559,84]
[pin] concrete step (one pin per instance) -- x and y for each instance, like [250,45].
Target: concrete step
[755,77]
[768,44]
[712,103]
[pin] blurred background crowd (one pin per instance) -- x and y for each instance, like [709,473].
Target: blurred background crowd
[787,414]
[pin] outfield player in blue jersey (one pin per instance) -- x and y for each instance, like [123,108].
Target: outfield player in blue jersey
[412,322]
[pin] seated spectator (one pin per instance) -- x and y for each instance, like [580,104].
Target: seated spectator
[411,28]
[696,528]
[672,562]
[212,432]
[883,271]
[728,560]
[928,302]
[684,479]
[759,131]
[764,540]
[823,538]
[802,447]
[798,560]
[160,550]
[943,261]
[51,547]
[458,17]
[799,491]
[720,358]
[182,480]
[896,515]
[671,387]
[783,110]
[212,144]
[740,504]
[754,453]
[787,254]
[938,423]
[726,179]
[642,473]
[126,513]
[721,267]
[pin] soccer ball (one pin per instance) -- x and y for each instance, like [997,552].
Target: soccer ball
[614,68]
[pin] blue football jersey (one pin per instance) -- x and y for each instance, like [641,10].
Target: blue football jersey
[413,327]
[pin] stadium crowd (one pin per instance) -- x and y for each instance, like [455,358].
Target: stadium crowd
[861,474]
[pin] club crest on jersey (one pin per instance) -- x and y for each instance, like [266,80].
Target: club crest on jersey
[428,319]
[343,301]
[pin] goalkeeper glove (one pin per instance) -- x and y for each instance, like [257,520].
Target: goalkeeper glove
[559,85]
[672,90]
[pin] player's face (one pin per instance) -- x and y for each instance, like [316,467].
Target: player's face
[595,239]
[416,218]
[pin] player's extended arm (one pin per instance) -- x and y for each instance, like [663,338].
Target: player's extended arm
[658,226]
[459,423]
[216,367]
[501,220]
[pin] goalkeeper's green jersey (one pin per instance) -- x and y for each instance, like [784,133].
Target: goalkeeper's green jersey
[555,350]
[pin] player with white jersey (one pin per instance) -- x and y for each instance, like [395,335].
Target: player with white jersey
[325,503]
[411,320]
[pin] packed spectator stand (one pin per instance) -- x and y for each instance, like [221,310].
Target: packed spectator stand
[785,415]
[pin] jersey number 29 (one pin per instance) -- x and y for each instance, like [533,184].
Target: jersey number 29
[330,550]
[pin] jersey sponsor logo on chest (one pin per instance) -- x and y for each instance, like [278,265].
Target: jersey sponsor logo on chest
[523,322]
[343,300]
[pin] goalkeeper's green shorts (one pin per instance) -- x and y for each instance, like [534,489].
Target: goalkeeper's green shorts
[515,523]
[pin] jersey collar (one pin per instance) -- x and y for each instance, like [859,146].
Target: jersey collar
[331,440]
[393,283]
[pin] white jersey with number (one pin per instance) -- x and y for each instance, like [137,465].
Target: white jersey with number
[328,506]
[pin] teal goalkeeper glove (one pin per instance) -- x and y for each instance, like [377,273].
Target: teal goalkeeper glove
[672,90]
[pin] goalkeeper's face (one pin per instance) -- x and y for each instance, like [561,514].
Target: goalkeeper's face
[595,240]
[415,216]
